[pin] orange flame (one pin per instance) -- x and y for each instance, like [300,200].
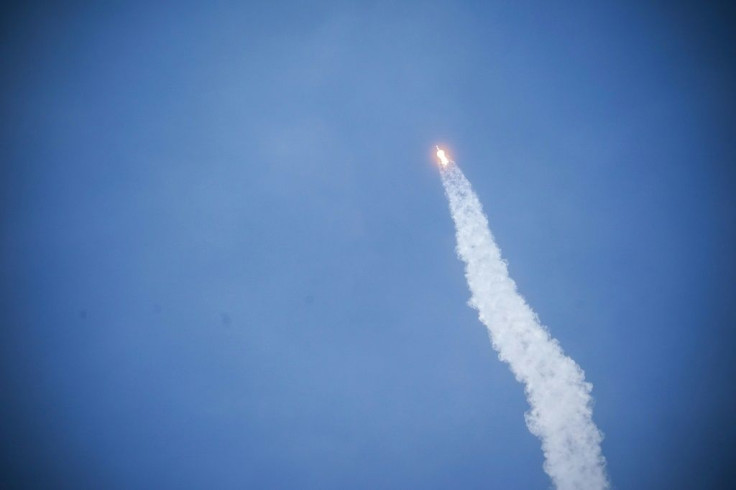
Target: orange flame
[443,158]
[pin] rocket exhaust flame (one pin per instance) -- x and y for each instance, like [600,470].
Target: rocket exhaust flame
[559,397]
[444,161]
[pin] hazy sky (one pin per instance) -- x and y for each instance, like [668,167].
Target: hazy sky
[227,259]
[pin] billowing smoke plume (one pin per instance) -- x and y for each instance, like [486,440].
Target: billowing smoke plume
[559,396]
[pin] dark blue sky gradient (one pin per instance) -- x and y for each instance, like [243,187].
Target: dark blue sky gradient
[227,261]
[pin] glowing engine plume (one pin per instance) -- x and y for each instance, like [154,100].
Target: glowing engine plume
[444,161]
[559,396]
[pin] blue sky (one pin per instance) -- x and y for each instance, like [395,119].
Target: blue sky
[227,261]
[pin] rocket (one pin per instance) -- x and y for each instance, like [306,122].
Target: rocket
[444,161]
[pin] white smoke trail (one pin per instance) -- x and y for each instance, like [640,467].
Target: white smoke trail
[559,396]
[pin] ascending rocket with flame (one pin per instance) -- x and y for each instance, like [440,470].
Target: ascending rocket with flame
[444,161]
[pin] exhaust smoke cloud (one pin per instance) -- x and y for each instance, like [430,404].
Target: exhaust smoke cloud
[559,397]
